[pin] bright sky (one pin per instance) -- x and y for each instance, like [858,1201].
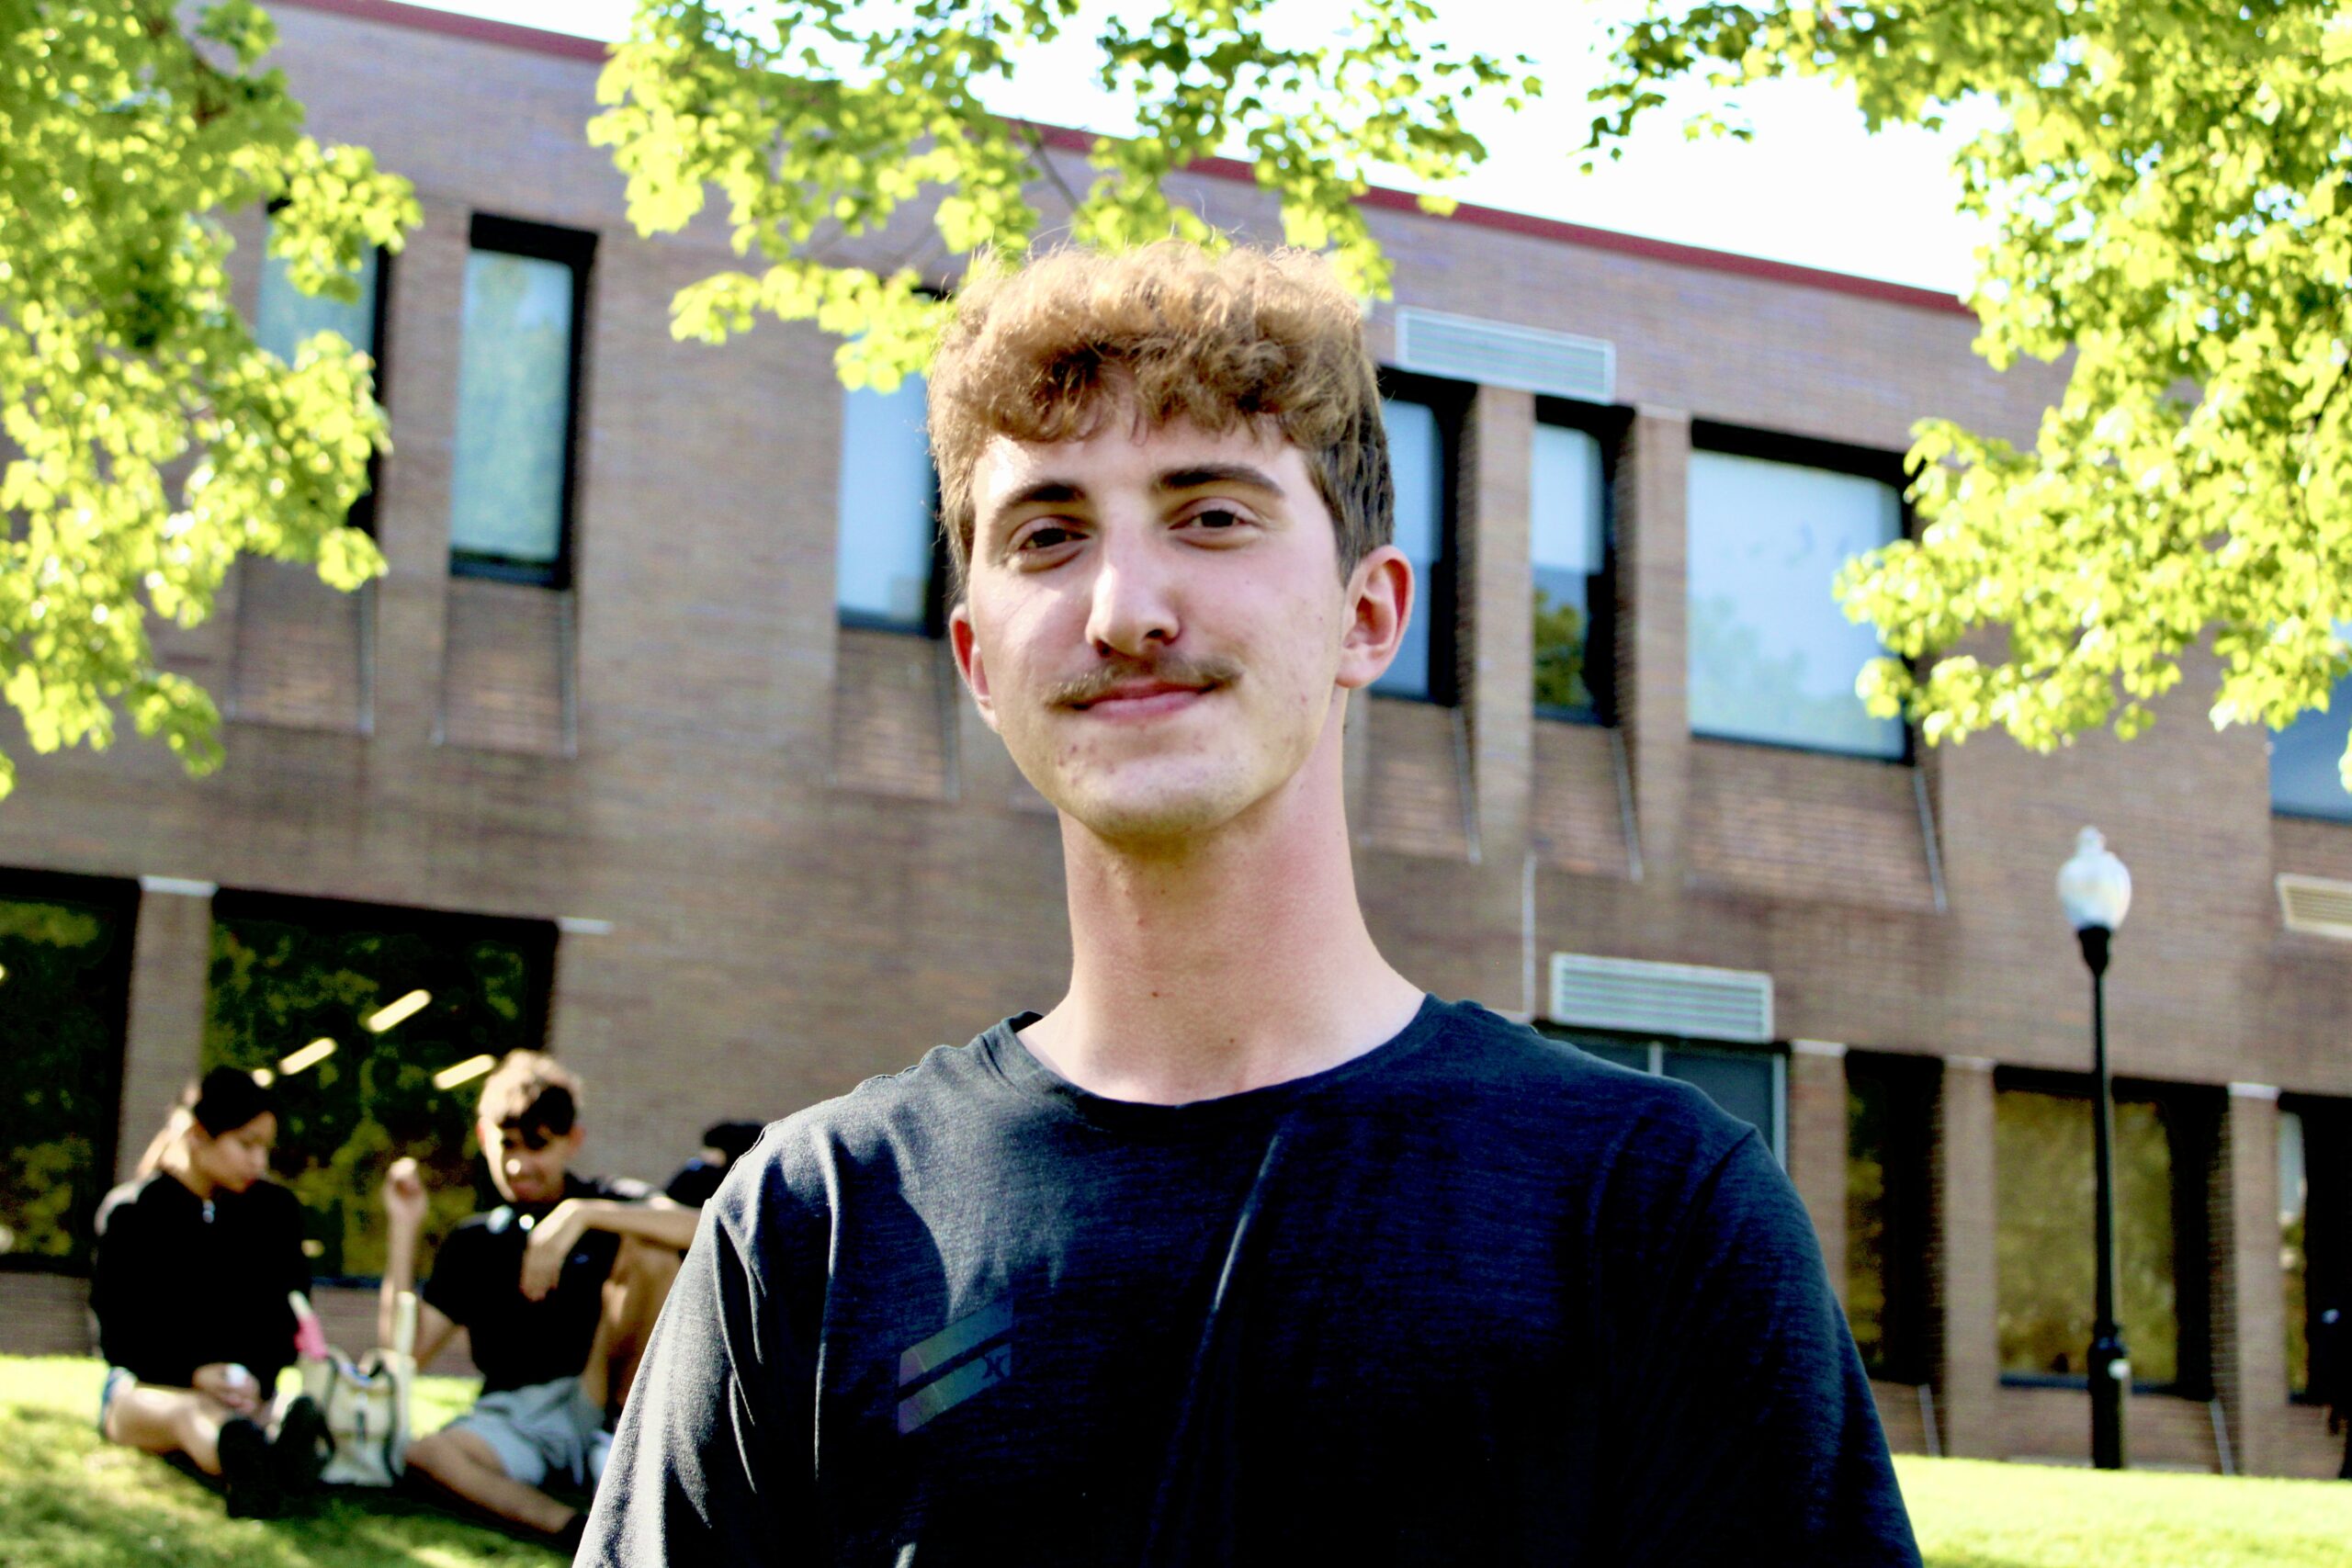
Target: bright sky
[1811,188]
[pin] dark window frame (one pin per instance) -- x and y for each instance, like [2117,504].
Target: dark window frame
[2190,1120]
[1609,425]
[576,249]
[1833,457]
[1449,401]
[120,897]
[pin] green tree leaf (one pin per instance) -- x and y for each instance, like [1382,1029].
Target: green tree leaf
[2166,181]
[148,441]
[817,120]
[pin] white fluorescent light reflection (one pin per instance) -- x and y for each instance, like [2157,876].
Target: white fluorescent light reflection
[264,1076]
[470,1068]
[310,1055]
[392,1012]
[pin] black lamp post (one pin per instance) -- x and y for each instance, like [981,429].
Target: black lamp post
[2096,890]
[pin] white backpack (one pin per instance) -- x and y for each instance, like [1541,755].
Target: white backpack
[365,1403]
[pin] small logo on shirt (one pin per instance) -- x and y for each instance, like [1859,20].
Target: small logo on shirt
[969,1355]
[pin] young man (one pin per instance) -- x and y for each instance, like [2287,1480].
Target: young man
[556,1288]
[1248,1251]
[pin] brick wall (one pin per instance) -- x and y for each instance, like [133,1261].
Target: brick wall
[800,860]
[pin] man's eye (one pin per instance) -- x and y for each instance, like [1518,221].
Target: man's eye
[1045,537]
[1218,518]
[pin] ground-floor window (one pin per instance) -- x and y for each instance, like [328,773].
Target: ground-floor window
[1752,1084]
[64,991]
[1890,1122]
[2315,1236]
[376,1024]
[2044,1239]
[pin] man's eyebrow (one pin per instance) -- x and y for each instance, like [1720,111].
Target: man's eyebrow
[1204,474]
[1050,492]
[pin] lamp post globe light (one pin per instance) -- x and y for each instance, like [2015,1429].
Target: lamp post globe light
[2096,890]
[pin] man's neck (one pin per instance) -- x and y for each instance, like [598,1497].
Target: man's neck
[1230,962]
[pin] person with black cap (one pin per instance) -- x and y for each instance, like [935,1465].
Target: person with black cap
[196,1258]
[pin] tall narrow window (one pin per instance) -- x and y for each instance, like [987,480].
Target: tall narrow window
[510,492]
[1772,657]
[1416,463]
[1567,529]
[286,317]
[2294,1258]
[887,528]
[2306,758]
[2043,1235]
[64,991]
[1889,1110]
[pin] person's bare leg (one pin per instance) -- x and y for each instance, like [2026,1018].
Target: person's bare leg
[642,1274]
[469,1466]
[169,1421]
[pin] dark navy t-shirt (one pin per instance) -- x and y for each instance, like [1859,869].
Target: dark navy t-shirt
[478,1282]
[1472,1297]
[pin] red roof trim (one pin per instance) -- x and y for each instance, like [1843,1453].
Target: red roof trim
[568,47]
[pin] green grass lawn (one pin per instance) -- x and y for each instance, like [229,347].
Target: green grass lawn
[69,1501]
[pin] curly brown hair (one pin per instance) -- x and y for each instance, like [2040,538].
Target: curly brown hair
[530,1093]
[1047,350]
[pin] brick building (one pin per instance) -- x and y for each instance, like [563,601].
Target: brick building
[637,708]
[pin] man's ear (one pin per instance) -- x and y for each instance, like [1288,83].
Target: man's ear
[964,641]
[1379,607]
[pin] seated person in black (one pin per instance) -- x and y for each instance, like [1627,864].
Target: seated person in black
[556,1288]
[723,1143]
[195,1260]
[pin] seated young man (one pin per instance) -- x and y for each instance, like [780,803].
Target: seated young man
[556,1288]
[1248,1250]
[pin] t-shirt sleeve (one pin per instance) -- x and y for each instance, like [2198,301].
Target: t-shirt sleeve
[1750,1433]
[711,1460]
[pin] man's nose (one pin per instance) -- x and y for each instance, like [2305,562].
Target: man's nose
[1133,611]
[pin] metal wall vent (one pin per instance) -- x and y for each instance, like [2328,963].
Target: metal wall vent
[2316,905]
[1498,353]
[1661,999]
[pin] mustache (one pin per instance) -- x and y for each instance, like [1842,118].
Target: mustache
[1175,669]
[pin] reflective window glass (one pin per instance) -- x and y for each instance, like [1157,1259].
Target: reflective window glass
[1417,464]
[889,503]
[2294,1262]
[514,397]
[2305,757]
[64,985]
[288,317]
[1567,538]
[2045,1243]
[1741,1082]
[1772,657]
[1890,1112]
[378,1024]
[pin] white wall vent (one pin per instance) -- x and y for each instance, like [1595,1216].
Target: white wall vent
[1498,354]
[2316,905]
[1640,997]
